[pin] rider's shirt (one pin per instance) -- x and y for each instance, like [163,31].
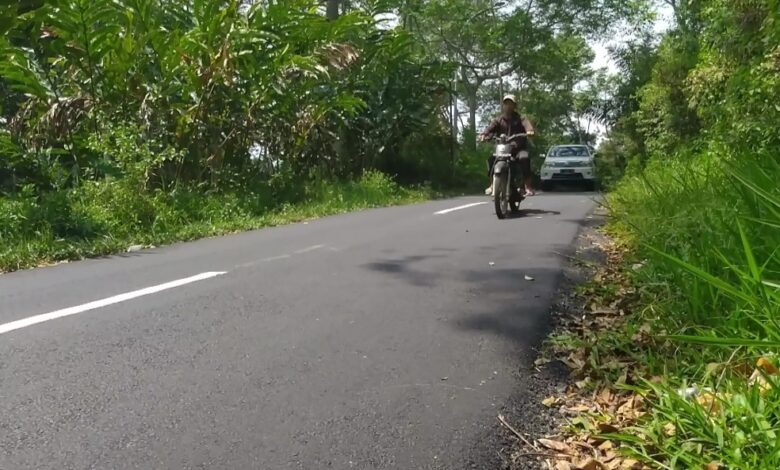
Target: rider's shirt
[510,126]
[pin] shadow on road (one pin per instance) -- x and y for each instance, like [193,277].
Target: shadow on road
[509,303]
[585,223]
[402,267]
[514,307]
[528,212]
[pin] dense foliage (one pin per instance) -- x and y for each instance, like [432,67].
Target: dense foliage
[118,116]
[697,116]
[196,85]
[114,112]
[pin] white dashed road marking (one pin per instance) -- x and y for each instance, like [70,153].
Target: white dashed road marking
[311,248]
[34,320]
[447,211]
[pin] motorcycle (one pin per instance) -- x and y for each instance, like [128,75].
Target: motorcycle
[506,195]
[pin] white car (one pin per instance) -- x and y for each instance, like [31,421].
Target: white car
[570,163]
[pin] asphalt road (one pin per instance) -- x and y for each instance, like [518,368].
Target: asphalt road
[388,338]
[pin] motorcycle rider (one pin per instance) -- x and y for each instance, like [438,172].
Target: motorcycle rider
[510,123]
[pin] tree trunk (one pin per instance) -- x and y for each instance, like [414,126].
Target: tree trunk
[332,9]
[472,103]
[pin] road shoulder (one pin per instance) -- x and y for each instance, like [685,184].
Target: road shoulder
[525,418]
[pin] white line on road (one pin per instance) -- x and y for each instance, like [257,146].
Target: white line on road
[447,211]
[311,248]
[273,258]
[25,322]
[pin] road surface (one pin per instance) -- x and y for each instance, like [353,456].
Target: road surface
[388,338]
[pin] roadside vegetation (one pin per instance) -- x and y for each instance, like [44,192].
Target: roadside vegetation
[676,359]
[145,122]
[127,122]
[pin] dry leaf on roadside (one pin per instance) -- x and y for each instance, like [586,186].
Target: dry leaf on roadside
[631,408]
[758,378]
[763,369]
[643,335]
[765,365]
[579,408]
[606,445]
[582,383]
[632,464]
[670,429]
[590,464]
[627,407]
[550,401]
[605,397]
[608,428]
[555,445]
[608,457]
[572,364]
[542,361]
[563,465]
[589,449]
[574,360]
[601,310]
[743,369]
[709,401]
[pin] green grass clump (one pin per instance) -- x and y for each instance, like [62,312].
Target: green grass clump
[98,218]
[708,229]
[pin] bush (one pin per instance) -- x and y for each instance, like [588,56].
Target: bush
[108,216]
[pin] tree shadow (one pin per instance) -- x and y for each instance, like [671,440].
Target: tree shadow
[402,268]
[585,223]
[527,212]
[514,301]
[515,307]
[127,254]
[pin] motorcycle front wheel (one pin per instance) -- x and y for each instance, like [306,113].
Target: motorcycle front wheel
[500,196]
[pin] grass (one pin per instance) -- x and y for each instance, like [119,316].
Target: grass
[707,230]
[109,216]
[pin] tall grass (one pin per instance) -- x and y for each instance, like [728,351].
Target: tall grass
[105,217]
[709,229]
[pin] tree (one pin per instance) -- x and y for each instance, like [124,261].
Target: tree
[510,43]
[201,82]
[332,9]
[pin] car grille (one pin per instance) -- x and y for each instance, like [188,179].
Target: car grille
[567,176]
[567,164]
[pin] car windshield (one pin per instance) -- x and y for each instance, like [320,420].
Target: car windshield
[569,151]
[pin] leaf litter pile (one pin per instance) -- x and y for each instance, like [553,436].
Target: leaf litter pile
[592,407]
[598,338]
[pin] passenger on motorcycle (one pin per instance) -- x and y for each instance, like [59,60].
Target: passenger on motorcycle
[510,123]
